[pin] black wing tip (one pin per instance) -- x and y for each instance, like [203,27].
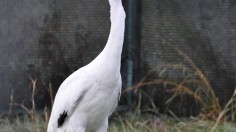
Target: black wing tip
[62,119]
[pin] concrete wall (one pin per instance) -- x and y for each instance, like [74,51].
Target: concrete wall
[204,30]
[48,40]
[20,28]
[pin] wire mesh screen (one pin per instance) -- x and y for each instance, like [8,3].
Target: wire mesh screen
[190,34]
[48,40]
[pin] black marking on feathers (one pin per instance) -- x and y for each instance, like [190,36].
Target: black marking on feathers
[64,115]
[62,119]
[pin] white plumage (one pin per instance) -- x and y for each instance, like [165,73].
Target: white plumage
[88,96]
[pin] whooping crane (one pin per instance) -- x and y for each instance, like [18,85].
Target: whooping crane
[88,96]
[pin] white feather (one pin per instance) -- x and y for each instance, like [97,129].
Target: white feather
[89,95]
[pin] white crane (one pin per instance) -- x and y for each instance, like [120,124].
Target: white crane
[88,96]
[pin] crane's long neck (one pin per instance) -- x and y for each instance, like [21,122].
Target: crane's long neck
[113,49]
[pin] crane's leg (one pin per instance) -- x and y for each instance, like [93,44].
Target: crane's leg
[79,129]
[103,128]
[74,129]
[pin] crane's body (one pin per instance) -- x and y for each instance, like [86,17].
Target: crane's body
[88,96]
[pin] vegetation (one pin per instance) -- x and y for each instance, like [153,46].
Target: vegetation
[118,123]
[212,116]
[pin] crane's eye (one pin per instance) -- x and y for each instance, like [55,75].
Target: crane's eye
[62,119]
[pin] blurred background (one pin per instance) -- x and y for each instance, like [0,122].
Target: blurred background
[178,56]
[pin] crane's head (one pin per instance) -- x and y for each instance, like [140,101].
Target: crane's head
[116,8]
[114,2]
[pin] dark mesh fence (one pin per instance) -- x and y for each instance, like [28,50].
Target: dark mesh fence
[203,30]
[48,40]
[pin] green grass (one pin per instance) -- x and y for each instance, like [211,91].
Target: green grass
[22,124]
[145,123]
[166,124]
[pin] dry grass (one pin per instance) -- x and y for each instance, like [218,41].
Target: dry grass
[194,84]
[203,93]
[32,121]
[212,117]
[229,106]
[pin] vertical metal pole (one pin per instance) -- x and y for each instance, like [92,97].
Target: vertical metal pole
[130,41]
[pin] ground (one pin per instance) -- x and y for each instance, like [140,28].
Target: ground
[125,123]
